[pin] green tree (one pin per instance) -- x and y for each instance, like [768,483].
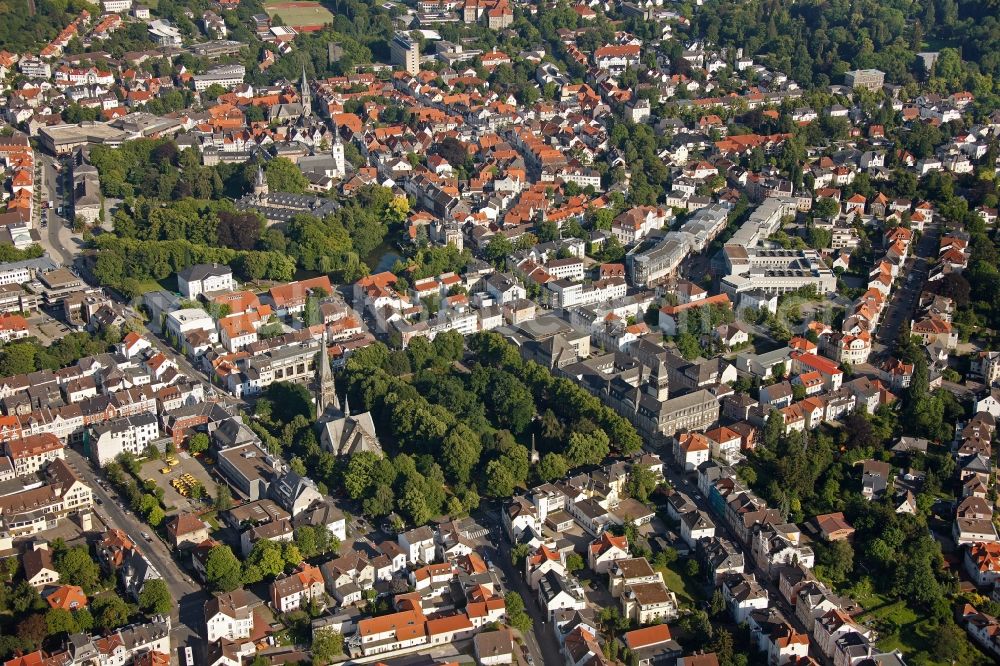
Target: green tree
[497,250]
[836,561]
[25,597]
[283,176]
[413,504]
[32,631]
[156,516]
[223,497]
[360,474]
[291,554]
[381,501]
[60,621]
[77,567]
[588,448]
[641,482]
[264,561]
[326,646]
[500,482]
[198,443]
[516,614]
[222,569]
[110,612]
[460,452]
[688,346]
[155,597]
[18,358]
[552,466]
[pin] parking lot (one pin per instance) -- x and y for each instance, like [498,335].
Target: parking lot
[186,464]
[45,328]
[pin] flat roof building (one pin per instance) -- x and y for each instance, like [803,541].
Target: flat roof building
[405,52]
[63,139]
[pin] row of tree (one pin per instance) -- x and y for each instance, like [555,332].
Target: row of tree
[224,572]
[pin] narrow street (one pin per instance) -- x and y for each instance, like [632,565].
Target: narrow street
[185,366]
[541,643]
[56,238]
[904,299]
[187,616]
[681,483]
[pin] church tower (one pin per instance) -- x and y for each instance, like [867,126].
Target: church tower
[337,152]
[326,390]
[260,183]
[306,95]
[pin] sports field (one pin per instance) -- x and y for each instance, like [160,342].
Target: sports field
[299,14]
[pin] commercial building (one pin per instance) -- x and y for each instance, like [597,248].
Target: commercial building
[657,264]
[774,271]
[227,76]
[248,469]
[27,509]
[64,139]
[405,52]
[131,433]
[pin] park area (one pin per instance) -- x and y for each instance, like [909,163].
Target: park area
[303,15]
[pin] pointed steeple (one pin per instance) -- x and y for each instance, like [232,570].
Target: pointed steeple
[305,94]
[260,182]
[326,391]
[347,407]
[337,153]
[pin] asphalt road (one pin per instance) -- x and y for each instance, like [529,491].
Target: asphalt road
[541,642]
[54,236]
[187,616]
[187,368]
[680,482]
[904,299]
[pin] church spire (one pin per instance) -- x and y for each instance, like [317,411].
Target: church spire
[260,182]
[326,391]
[305,94]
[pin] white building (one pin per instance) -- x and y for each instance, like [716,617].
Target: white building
[131,433]
[227,76]
[418,544]
[116,6]
[183,321]
[228,616]
[29,454]
[205,278]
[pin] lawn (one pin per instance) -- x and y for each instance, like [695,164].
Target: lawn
[900,628]
[299,13]
[168,283]
[688,591]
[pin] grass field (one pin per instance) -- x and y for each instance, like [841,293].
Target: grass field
[688,591]
[299,13]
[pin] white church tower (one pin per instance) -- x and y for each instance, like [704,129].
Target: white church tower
[337,152]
